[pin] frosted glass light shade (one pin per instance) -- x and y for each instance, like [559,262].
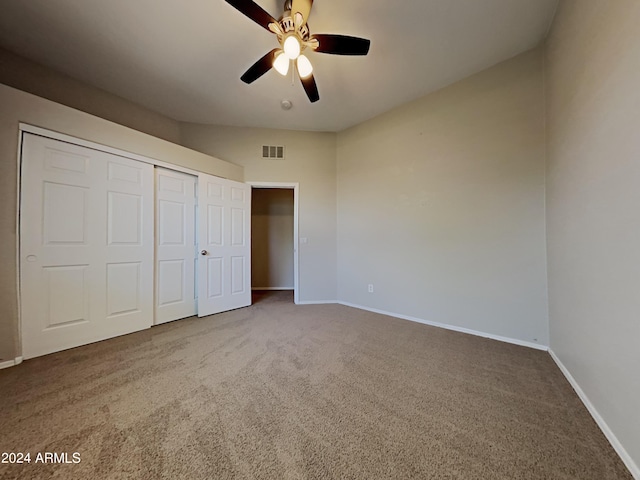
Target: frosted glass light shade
[292,47]
[281,64]
[304,66]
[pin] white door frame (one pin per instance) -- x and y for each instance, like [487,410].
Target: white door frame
[296,243]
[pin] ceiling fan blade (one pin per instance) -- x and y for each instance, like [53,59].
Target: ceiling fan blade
[303,7]
[253,11]
[341,44]
[310,87]
[261,67]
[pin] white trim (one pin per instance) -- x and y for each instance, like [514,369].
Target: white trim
[318,302]
[296,242]
[285,185]
[272,289]
[18,340]
[477,333]
[613,440]
[26,128]
[468,331]
[11,363]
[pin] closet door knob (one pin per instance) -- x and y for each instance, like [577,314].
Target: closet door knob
[204,252]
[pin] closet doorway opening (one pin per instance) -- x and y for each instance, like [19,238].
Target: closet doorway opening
[274,240]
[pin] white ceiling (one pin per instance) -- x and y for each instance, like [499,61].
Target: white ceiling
[184,59]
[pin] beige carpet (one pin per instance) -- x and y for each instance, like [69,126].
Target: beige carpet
[278,391]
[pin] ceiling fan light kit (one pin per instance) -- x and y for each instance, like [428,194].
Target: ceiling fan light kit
[294,37]
[304,66]
[281,64]
[291,46]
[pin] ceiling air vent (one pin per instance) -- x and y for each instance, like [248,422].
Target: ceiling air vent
[275,152]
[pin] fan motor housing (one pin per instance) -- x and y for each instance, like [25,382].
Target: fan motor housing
[288,25]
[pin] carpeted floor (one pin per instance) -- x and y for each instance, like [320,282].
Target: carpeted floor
[278,391]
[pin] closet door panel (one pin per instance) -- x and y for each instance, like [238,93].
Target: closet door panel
[224,243]
[175,245]
[86,245]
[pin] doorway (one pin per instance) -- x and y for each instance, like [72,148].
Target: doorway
[274,239]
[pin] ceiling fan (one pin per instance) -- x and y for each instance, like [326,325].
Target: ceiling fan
[294,37]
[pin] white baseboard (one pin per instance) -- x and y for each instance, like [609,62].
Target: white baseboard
[613,440]
[275,289]
[514,341]
[11,363]
[8,364]
[317,302]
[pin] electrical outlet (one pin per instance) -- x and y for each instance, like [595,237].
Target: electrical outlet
[371,288]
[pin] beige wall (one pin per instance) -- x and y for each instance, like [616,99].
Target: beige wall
[593,206]
[441,206]
[23,74]
[272,246]
[18,106]
[311,162]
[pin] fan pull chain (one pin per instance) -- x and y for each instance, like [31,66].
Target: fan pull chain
[293,77]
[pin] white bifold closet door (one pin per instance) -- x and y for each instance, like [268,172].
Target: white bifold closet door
[86,245]
[175,245]
[224,241]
